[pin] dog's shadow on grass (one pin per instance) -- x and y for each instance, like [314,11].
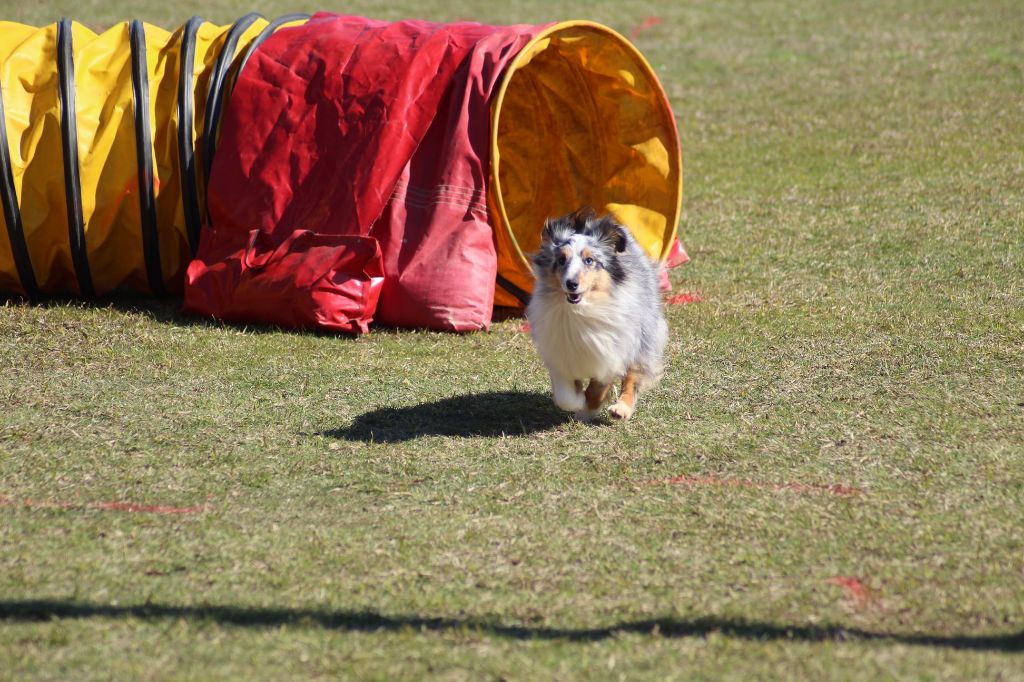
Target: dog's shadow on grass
[511,413]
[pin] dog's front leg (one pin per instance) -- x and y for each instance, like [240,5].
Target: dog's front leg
[595,395]
[623,407]
[568,394]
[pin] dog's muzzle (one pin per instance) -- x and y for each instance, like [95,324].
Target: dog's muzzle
[572,291]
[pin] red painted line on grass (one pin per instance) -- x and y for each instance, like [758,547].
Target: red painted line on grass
[856,591]
[147,508]
[834,489]
[130,507]
[644,25]
[685,298]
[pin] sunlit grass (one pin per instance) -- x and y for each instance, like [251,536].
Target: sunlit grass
[409,503]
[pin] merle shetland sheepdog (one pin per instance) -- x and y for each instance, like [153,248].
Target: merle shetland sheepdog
[595,314]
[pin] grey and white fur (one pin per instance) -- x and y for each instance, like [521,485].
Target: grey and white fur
[595,314]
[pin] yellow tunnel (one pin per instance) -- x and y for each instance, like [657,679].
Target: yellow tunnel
[580,119]
[107,139]
[110,197]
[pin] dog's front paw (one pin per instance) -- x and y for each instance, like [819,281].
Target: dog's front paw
[620,410]
[571,403]
[586,416]
[568,398]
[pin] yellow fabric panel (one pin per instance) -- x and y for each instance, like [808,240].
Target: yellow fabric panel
[163,57]
[511,267]
[31,100]
[14,35]
[107,158]
[209,41]
[581,120]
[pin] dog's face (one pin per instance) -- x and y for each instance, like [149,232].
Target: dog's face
[579,256]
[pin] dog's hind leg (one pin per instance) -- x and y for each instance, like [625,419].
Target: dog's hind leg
[623,407]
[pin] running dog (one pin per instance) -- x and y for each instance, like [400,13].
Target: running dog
[595,314]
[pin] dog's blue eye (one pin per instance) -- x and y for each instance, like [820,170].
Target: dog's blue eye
[588,261]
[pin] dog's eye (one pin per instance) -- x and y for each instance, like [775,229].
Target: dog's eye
[560,260]
[588,261]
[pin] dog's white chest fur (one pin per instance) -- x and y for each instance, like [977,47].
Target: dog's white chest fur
[588,341]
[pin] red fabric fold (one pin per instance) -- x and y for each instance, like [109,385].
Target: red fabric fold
[350,126]
[308,280]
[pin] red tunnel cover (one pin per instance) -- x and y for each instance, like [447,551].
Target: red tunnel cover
[353,127]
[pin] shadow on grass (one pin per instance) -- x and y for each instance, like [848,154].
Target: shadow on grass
[369,621]
[159,308]
[478,414]
[167,310]
[163,310]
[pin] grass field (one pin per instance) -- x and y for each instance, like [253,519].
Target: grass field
[829,483]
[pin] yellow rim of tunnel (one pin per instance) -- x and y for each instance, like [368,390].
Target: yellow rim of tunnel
[526,55]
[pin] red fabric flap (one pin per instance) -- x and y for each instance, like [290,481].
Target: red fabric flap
[351,126]
[677,255]
[308,280]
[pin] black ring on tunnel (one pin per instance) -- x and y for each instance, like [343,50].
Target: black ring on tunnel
[511,288]
[264,34]
[69,144]
[186,122]
[12,212]
[144,156]
[215,93]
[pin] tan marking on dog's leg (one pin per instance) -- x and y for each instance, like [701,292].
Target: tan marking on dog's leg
[594,397]
[623,407]
[596,393]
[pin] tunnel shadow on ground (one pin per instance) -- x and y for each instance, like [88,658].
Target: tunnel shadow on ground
[30,611]
[166,310]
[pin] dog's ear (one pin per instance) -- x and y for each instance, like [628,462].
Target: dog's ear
[581,218]
[556,231]
[621,239]
[613,234]
[548,233]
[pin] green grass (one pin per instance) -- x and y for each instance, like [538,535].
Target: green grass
[855,212]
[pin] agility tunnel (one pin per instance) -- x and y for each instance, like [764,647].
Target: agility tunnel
[321,172]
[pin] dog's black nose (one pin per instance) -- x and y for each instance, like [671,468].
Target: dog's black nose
[572,285]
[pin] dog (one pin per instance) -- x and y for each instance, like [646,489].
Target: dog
[595,314]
